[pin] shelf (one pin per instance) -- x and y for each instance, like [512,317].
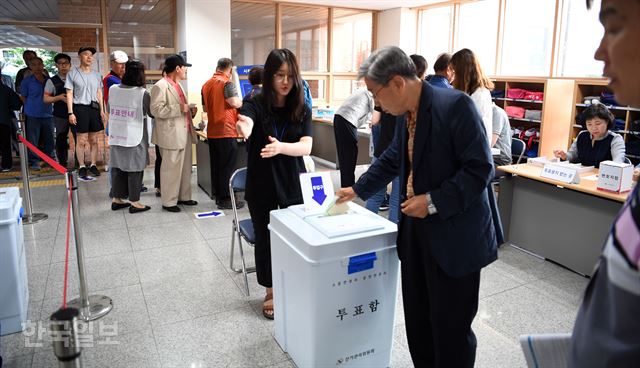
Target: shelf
[515,100]
[611,107]
[526,120]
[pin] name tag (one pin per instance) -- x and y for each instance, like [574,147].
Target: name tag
[564,174]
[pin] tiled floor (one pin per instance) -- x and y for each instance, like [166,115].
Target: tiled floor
[177,304]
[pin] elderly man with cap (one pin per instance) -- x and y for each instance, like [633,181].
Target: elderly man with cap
[86,108]
[118,59]
[174,134]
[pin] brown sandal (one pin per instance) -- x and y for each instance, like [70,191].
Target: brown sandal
[267,306]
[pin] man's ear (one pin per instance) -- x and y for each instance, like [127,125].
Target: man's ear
[398,82]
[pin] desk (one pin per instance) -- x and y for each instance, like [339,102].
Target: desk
[203,163]
[565,223]
[324,144]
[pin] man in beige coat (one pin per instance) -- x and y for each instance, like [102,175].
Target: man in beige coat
[174,134]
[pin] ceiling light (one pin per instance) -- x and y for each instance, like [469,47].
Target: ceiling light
[147,7]
[133,23]
[126,6]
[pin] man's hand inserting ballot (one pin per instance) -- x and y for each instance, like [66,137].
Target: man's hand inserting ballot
[415,206]
[345,195]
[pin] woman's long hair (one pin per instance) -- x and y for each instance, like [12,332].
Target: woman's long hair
[294,102]
[134,74]
[468,73]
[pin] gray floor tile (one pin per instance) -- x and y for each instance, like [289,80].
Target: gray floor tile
[103,219]
[523,311]
[217,227]
[37,280]
[175,261]
[236,338]
[41,230]
[95,243]
[566,288]
[495,349]
[101,273]
[493,282]
[38,251]
[192,296]
[160,235]
[27,342]
[23,361]
[156,215]
[521,266]
[400,357]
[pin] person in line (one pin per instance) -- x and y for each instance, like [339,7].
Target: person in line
[8,81]
[118,60]
[277,124]
[221,101]
[443,70]
[421,65]
[39,115]
[86,109]
[56,94]
[158,163]
[501,136]
[255,78]
[128,106]
[598,143]
[25,72]
[607,328]
[9,102]
[446,233]
[469,78]
[356,111]
[174,133]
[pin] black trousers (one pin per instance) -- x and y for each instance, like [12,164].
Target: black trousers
[259,212]
[156,169]
[223,153]
[62,141]
[438,309]
[347,146]
[5,145]
[126,184]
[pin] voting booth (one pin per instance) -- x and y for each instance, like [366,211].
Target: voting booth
[335,283]
[14,289]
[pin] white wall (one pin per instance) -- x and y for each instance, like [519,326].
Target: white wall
[398,27]
[204,32]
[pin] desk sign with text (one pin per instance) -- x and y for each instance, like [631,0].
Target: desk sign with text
[317,191]
[565,174]
[615,176]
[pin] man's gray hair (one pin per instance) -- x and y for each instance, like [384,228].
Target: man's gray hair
[385,63]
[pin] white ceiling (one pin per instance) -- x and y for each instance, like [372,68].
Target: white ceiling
[369,4]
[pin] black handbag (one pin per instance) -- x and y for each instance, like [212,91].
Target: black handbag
[95,105]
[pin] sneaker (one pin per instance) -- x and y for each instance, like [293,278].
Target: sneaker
[82,172]
[94,170]
[6,169]
[35,167]
[225,204]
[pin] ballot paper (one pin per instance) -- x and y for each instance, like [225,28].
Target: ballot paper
[337,209]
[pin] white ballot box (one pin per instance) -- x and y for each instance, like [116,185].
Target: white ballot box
[14,291]
[335,282]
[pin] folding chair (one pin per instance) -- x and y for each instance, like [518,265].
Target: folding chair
[518,147]
[243,229]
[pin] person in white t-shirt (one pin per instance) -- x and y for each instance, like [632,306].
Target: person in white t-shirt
[469,78]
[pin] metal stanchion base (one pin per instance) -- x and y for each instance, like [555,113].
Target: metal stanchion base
[99,306]
[35,218]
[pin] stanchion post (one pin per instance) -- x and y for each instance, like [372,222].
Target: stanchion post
[91,307]
[29,217]
[63,328]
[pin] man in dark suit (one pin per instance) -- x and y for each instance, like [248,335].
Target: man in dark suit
[9,102]
[445,234]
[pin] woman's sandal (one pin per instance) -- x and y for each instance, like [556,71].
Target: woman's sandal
[267,306]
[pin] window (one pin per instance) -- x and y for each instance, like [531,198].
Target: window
[528,34]
[305,33]
[579,38]
[343,88]
[352,36]
[144,32]
[478,31]
[434,33]
[51,11]
[252,32]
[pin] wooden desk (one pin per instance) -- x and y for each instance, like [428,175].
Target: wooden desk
[565,223]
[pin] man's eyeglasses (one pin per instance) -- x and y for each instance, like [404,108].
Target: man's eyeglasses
[378,91]
[279,77]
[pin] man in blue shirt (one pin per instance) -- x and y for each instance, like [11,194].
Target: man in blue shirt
[444,74]
[39,115]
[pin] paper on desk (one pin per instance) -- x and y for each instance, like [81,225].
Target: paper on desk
[593,177]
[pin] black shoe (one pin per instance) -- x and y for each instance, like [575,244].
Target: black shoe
[171,208]
[118,206]
[144,189]
[224,204]
[134,209]
[158,194]
[82,172]
[190,202]
[94,170]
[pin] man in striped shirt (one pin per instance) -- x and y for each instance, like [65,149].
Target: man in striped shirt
[607,329]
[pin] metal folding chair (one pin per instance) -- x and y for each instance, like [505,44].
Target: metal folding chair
[518,147]
[242,229]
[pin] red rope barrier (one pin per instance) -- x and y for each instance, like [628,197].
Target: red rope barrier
[66,256]
[59,168]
